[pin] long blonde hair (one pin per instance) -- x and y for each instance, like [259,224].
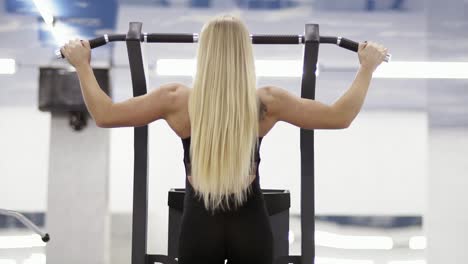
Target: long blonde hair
[223,113]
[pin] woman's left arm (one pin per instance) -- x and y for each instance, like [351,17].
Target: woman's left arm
[137,111]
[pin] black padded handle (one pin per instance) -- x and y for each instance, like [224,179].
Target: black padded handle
[354,46]
[93,43]
[97,42]
[349,44]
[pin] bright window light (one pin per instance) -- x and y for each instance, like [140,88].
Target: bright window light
[418,242]
[26,241]
[7,66]
[176,67]
[278,68]
[7,261]
[264,68]
[45,9]
[293,68]
[291,237]
[322,260]
[62,33]
[37,258]
[422,70]
[327,239]
[417,261]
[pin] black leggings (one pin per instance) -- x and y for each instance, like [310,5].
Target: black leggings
[241,236]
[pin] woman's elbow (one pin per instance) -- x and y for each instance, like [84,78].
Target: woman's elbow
[103,123]
[345,124]
[339,118]
[114,123]
[342,123]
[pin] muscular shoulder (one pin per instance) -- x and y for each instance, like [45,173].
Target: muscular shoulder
[269,97]
[174,89]
[174,95]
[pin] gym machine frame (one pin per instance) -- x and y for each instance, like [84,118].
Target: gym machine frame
[26,222]
[311,40]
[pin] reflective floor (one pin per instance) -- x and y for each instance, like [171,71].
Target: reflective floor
[334,244]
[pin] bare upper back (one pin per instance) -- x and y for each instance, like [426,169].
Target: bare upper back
[179,120]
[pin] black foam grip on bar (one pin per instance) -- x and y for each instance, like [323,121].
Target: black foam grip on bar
[277,39]
[97,42]
[170,38]
[349,44]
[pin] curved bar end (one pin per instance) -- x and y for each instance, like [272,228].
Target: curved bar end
[58,54]
[46,238]
[388,58]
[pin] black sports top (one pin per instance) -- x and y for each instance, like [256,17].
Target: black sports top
[188,168]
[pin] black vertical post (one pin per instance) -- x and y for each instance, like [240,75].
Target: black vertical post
[311,48]
[140,164]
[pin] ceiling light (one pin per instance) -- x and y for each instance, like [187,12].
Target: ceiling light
[61,32]
[45,9]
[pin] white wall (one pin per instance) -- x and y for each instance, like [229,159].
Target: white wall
[447,214]
[377,166]
[24,158]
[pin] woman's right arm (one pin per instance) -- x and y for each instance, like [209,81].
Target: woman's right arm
[311,114]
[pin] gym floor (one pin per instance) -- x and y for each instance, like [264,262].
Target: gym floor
[120,247]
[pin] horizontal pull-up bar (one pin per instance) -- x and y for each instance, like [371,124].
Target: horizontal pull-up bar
[193,38]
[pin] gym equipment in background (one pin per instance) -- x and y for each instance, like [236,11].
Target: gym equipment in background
[20,217]
[60,92]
